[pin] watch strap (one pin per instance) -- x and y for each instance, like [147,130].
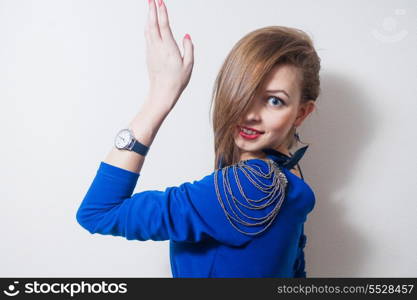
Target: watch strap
[139,148]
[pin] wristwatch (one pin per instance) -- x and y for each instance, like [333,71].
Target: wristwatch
[126,141]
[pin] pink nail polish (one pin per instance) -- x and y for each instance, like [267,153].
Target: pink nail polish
[149,1]
[187,36]
[160,2]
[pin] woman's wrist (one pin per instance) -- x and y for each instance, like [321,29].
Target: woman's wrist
[147,121]
[145,126]
[162,100]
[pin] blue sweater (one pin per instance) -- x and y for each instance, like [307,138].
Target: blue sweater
[203,243]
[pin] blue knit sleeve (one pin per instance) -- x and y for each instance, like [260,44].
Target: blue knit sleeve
[299,267]
[189,212]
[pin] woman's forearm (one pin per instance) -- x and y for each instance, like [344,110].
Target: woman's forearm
[169,73]
[145,126]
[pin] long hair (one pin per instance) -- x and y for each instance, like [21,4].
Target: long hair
[243,72]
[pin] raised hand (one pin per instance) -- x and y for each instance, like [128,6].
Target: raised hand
[169,72]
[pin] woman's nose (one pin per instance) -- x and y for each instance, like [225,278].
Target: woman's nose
[253,114]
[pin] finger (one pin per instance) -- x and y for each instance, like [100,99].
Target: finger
[164,27]
[153,25]
[188,58]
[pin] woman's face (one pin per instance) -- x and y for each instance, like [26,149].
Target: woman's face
[274,111]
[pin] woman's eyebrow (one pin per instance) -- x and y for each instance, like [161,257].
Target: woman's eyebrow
[277,91]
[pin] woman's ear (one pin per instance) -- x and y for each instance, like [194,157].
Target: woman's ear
[303,111]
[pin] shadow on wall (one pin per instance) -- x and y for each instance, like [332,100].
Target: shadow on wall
[339,130]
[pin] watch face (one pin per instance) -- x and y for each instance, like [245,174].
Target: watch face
[123,139]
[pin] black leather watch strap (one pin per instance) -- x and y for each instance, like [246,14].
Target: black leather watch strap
[140,148]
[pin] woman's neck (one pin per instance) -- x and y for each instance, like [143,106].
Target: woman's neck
[261,154]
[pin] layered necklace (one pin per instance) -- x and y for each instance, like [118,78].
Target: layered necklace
[274,192]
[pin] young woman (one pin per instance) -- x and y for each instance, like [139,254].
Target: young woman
[246,218]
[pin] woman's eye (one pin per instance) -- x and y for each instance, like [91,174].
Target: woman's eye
[275,101]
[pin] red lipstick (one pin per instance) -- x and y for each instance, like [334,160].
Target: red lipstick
[249,136]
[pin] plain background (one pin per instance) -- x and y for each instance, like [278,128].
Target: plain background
[73,73]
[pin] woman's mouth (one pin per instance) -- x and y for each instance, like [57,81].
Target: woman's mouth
[248,133]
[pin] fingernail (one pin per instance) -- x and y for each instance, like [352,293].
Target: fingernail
[160,2]
[149,1]
[187,36]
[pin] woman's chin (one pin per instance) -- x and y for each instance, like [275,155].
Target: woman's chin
[249,149]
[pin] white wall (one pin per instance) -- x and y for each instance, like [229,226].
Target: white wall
[73,73]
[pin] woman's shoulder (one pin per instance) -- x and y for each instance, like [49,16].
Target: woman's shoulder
[252,171]
[296,173]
